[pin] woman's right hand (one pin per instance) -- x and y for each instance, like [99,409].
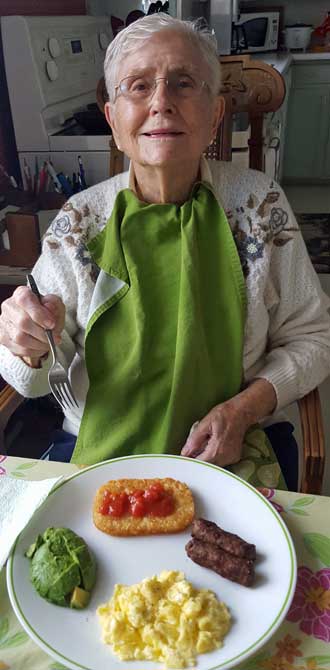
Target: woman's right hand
[23,322]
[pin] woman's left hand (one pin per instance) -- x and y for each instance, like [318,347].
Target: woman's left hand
[218,438]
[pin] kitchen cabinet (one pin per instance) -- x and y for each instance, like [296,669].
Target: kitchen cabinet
[307,139]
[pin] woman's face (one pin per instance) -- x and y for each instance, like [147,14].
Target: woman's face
[164,128]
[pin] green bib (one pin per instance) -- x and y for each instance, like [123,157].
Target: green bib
[168,346]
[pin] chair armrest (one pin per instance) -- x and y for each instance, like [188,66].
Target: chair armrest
[313,443]
[9,402]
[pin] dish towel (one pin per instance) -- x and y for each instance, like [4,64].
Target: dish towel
[18,502]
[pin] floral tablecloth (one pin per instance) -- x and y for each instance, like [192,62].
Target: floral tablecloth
[302,641]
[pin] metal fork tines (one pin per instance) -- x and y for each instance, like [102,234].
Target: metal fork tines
[57,376]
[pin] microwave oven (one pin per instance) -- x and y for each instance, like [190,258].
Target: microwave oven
[255,31]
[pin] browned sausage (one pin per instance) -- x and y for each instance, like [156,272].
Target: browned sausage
[208,531]
[231,567]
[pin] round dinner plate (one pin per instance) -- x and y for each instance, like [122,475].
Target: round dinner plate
[73,637]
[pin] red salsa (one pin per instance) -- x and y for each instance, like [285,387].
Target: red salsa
[152,501]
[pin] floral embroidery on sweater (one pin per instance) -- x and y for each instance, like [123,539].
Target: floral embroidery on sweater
[255,224]
[270,226]
[74,235]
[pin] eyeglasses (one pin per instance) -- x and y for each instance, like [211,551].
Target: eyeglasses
[142,87]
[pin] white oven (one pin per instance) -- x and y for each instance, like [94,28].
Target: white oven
[52,66]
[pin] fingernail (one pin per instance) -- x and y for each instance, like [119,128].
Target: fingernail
[49,324]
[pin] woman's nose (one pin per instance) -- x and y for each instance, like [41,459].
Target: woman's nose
[161,100]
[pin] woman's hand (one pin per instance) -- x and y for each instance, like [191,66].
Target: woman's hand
[218,437]
[23,322]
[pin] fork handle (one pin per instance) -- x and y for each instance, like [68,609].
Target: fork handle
[33,286]
[35,290]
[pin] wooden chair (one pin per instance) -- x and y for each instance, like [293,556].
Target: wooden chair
[10,400]
[256,88]
[252,87]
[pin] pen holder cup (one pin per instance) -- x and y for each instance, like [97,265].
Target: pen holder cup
[25,229]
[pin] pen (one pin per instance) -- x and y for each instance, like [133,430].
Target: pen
[36,176]
[74,182]
[43,178]
[54,178]
[27,173]
[82,173]
[80,186]
[65,184]
[10,177]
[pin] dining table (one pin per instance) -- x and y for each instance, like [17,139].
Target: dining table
[302,641]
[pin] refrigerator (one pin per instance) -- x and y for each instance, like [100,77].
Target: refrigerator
[218,14]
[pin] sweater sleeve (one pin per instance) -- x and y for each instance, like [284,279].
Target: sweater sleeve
[59,270]
[298,349]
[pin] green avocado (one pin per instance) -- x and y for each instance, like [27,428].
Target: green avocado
[60,562]
[79,598]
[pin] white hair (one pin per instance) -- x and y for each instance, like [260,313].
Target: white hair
[130,38]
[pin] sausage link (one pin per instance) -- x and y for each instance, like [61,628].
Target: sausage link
[231,567]
[208,531]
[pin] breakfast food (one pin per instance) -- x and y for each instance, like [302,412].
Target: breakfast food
[225,553]
[163,619]
[208,531]
[62,570]
[231,567]
[143,506]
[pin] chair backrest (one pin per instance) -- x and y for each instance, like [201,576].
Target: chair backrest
[252,87]
[247,86]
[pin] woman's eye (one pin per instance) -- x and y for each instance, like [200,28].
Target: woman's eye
[185,82]
[139,86]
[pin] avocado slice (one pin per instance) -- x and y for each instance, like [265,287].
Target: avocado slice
[33,547]
[79,598]
[61,561]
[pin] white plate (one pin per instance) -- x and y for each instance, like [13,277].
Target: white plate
[73,637]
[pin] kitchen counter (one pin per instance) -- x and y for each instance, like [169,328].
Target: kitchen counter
[282,60]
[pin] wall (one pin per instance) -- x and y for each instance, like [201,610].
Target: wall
[8,153]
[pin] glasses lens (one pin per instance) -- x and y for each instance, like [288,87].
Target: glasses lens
[136,87]
[183,85]
[179,85]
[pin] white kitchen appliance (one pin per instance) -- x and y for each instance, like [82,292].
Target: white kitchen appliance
[297,36]
[218,14]
[256,31]
[53,65]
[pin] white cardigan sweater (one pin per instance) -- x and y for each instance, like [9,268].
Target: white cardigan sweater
[287,335]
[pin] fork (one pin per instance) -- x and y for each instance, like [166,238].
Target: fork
[57,376]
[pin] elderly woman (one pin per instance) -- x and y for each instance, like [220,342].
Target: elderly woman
[174,291]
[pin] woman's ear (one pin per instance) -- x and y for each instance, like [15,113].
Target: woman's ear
[110,117]
[218,114]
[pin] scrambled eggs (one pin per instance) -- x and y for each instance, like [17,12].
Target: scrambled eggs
[163,619]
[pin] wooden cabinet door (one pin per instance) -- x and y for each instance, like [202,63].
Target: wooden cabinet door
[307,132]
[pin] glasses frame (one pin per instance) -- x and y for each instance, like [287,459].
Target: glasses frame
[203,84]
